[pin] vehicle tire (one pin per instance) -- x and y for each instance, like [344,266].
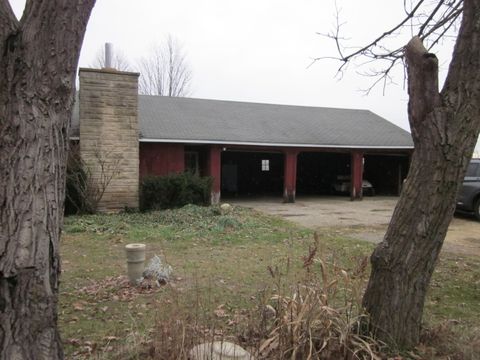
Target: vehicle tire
[369,192]
[476,209]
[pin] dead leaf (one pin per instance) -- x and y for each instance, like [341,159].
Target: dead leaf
[73,342]
[220,311]
[111,338]
[78,306]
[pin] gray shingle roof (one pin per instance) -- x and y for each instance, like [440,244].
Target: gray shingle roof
[199,120]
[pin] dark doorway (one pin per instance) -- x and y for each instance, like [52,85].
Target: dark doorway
[318,171]
[386,172]
[252,173]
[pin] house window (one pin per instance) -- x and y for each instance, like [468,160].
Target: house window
[265,165]
[191,162]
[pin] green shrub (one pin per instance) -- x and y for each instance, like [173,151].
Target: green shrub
[226,222]
[174,190]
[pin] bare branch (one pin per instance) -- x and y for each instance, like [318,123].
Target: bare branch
[441,35]
[432,20]
[448,21]
[381,76]
[432,15]
[165,71]
[367,48]
[85,185]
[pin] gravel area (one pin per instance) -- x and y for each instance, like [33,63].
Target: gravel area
[366,220]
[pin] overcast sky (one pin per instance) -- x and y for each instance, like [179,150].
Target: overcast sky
[257,50]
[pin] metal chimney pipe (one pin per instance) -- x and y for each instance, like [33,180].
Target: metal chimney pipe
[108,55]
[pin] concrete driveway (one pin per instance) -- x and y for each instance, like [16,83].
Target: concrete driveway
[366,220]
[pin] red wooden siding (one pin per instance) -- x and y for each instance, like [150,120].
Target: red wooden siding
[161,159]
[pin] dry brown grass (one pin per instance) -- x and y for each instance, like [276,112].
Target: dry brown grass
[318,318]
[441,343]
[322,317]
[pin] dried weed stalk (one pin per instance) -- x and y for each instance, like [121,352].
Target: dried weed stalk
[322,318]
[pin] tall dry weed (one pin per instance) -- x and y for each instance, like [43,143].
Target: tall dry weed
[321,317]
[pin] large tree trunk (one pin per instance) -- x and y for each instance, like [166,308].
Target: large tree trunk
[445,127]
[38,60]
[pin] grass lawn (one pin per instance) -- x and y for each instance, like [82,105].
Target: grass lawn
[221,265]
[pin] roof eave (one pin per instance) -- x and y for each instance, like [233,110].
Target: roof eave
[249,143]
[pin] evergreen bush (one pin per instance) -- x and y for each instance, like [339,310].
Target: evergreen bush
[174,190]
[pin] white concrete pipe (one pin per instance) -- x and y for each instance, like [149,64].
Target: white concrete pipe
[135,261]
[108,55]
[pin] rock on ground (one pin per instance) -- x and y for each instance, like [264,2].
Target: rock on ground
[219,350]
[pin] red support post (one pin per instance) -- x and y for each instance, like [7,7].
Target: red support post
[290,176]
[356,176]
[214,164]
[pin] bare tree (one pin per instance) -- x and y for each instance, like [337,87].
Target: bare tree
[86,186]
[165,71]
[445,125]
[119,61]
[38,61]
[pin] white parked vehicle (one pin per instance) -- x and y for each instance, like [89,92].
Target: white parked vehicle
[342,185]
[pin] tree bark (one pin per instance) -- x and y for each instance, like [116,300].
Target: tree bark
[38,61]
[445,126]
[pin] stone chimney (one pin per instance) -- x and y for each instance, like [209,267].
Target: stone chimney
[109,134]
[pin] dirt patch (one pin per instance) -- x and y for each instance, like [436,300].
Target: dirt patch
[366,220]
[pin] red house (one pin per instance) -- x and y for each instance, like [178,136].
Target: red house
[248,148]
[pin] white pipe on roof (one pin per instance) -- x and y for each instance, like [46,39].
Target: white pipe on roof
[108,55]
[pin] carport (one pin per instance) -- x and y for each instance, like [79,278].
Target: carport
[318,171]
[248,173]
[263,171]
